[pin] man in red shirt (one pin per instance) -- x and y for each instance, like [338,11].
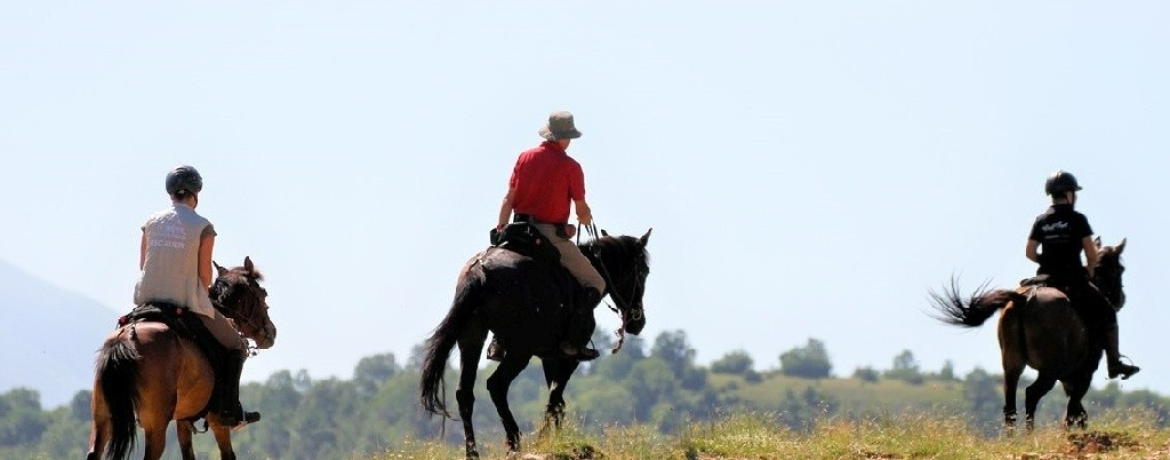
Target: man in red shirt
[544,182]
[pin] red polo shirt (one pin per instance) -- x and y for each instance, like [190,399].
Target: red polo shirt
[546,180]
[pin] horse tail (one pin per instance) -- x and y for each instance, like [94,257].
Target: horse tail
[973,311]
[117,369]
[442,340]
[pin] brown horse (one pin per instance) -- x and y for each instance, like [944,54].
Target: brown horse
[1039,328]
[520,299]
[148,370]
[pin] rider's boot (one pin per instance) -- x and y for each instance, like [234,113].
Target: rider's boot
[1116,367]
[231,412]
[580,327]
[495,351]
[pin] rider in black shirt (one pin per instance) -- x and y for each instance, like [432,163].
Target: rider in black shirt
[1062,233]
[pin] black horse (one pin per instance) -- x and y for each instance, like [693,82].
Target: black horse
[521,300]
[1039,328]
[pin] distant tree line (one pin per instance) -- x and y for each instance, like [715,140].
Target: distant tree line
[658,385]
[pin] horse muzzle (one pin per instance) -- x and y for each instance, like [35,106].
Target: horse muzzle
[267,337]
[634,320]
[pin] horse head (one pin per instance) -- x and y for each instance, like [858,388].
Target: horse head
[625,264]
[239,296]
[1107,273]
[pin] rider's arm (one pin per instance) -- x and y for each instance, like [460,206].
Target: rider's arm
[1090,253]
[506,208]
[584,214]
[1030,250]
[206,242]
[142,252]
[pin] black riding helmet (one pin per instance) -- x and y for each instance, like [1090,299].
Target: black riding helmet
[1060,182]
[184,178]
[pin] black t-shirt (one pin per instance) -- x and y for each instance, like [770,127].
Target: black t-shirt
[1060,232]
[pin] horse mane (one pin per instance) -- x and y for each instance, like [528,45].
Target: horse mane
[625,245]
[253,274]
[229,281]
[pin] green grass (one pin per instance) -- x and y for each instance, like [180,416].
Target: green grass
[757,437]
[854,395]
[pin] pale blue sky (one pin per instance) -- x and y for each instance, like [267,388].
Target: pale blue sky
[810,169]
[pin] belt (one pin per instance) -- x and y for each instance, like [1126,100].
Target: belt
[561,227]
[528,218]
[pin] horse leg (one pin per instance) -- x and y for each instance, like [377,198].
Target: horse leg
[1032,395]
[497,385]
[155,437]
[183,431]
[1075,415]
[1013,366]
[469,347]
[155,413]
[223,439]
[99,436]
[556,376]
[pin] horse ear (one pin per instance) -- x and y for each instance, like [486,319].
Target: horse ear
[1097,240]
[248,264]
[604,233]
[1121,246]
[645,238]
[219,269]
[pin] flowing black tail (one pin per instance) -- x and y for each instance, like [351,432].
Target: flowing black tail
[441,342]
[975,310]
[117,369]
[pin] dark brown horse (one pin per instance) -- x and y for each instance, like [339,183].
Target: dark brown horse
[148,370]
[520,300]
[1039,328]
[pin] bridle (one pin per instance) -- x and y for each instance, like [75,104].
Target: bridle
[631,312]
[246,310]
[1107,278]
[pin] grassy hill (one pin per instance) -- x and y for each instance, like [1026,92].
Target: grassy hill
[907,436]
[852,395]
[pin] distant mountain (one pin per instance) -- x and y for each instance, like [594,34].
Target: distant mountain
[48,336]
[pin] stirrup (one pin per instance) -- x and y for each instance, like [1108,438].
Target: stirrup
[1124,370]
[239,419]
[579,353]
[247,418]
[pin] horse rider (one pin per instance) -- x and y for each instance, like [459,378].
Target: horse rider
[1061,233]
[544,181]
[175,264]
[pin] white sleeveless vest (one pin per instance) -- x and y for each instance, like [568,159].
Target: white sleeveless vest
[170,272]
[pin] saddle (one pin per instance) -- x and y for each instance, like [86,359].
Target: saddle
[1028,287]
[523,238]
[183,322]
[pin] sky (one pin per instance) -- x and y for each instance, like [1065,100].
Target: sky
[810,169]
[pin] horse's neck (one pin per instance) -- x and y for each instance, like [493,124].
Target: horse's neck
[596,254]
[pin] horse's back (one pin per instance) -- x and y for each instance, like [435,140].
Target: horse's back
[505,271]
[171,369]
[1054,334]
[518,293]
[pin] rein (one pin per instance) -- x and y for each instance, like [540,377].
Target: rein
[635,313]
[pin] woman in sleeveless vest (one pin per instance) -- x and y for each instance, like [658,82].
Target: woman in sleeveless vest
[176,269]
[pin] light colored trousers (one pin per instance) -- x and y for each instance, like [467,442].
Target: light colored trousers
[573,259]
[224,331]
